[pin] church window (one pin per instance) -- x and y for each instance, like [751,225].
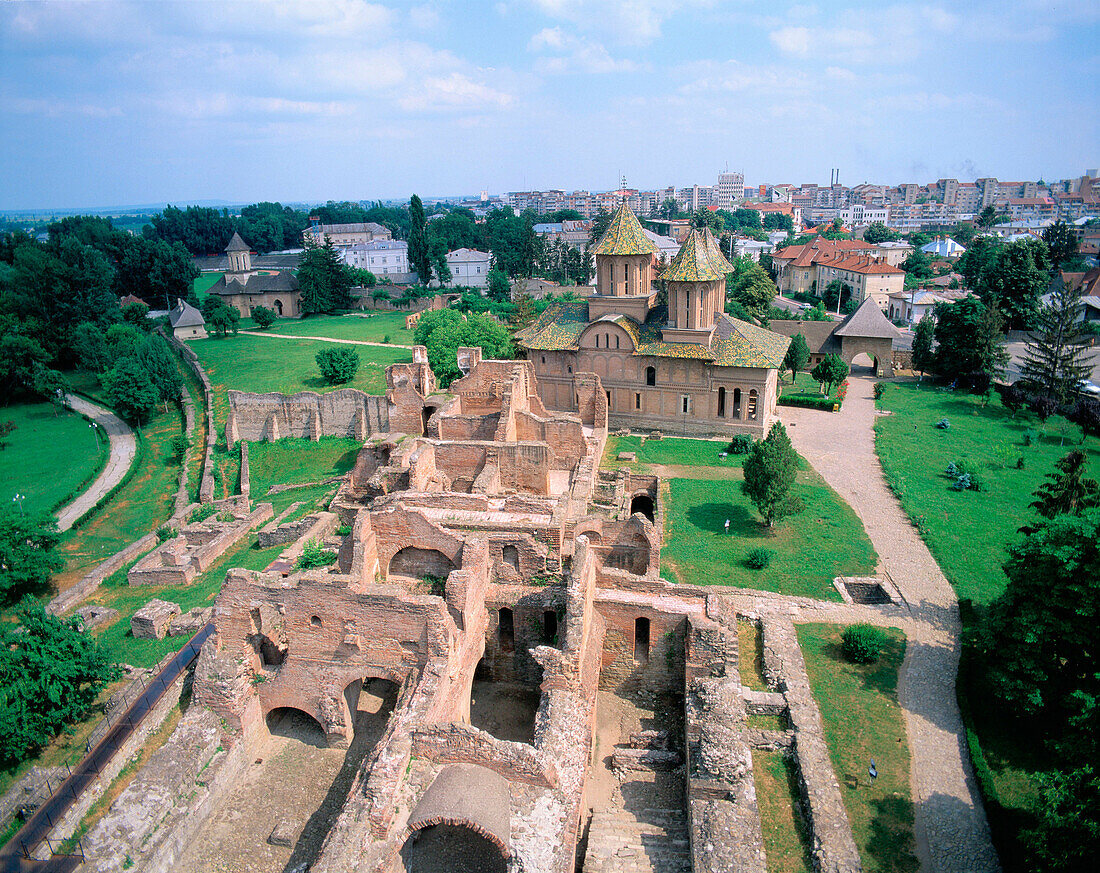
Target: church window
[637,401]
[651,375]
[685,402]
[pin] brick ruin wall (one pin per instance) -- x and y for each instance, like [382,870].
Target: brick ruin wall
[347,412]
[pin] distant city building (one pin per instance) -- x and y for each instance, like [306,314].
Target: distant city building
[730,190]
[345,235]
[943,247]
[469,267]
[383,257]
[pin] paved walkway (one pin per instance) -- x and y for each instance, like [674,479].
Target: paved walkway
[325,339]
[123,449]
[951,829]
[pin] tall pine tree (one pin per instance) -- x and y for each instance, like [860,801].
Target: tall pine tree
[419,256]
[1055,356]
[324,279]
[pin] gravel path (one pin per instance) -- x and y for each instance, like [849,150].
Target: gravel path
[123,449]
[951,829]
[325,339]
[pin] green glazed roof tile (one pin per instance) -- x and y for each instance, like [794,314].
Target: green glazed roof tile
[624,236]
[699,260]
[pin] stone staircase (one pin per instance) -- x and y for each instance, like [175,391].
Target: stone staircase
[651,841]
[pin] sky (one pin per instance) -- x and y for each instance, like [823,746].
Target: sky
[111,103]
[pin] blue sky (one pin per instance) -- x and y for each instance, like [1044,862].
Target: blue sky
[109,103]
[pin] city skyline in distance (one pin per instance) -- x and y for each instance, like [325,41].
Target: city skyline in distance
[119,103]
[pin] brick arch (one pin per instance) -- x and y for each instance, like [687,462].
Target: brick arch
[880,350]
[466,796]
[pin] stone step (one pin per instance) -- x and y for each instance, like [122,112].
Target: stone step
[646,841]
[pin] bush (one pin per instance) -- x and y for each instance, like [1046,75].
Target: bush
[314,556]
[758,559]
[386,339]
[861,643]
[264,317]
[879,390]
[338,365]
[164,532]
[823,403]
[943,424]
[343,530]
[202,513]
[740,444]
[179,447]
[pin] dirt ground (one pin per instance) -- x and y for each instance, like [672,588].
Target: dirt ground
[616,719]
[295,779]
[505,709]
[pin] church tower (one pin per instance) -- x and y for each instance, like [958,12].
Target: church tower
[240,256]
[696,289]
[624,269]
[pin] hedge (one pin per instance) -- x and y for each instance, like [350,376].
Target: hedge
[823,403]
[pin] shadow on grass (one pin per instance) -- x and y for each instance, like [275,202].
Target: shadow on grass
[891,843]
[345,462]
[882,675]
[712,517]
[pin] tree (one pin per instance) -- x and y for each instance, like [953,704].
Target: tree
[754,290]
[878,232]
[600,224]
[970,345]
[836,293]
[499,288]
[778,221]
[669,208]
[26,553]
[1043,632]
[419,256]
[1017,280]
[979,260]
[444,331]
[159,362]
[224,319]
[830,371]
[1067,837]
[338,364]
[1067,492]
[770,471]
[524,313]
[798,355]
[90,347]
[263,317]
[1086,414]
[51,673]
[918,267]
[131,390]
[815,313]
[1055,357]
[50,385]
[324,279]
[438,256]
[1013,398]
[1061,242]
[988,217]
[363,278]
[923,357]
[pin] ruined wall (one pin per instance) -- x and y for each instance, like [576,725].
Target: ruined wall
[347,412]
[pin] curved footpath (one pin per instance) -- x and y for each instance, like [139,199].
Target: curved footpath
[325,339]
[951,830]
[123,446]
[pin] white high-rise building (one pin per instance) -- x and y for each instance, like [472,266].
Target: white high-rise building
[730,189]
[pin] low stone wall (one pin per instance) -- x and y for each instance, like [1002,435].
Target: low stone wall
[70,598]
[206,487]
[347,412]
[246,476]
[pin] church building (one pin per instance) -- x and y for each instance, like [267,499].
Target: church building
[244,288]
[681,368]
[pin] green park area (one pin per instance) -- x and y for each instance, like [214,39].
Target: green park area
[300,462]
[863,720]
[806,387]
[373,327]
[204,282]
[968,531]
[805,551]
[30,463]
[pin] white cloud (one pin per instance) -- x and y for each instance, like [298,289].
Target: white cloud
[451,92]
[574,54]
[866,36]
[632,22]
[423,17]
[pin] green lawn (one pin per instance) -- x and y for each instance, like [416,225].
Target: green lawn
[261,364]
[825,540]
[143,504]
[370,327]
[298,461]
[967,531]
[862,720]
[786,839]
[204,282]
[51,456]
[804,385]
[669,451]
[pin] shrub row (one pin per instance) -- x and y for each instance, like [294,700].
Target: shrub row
[823,403]
[139,454]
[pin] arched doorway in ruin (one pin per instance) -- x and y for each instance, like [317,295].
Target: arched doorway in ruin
[426,413]
[296,724]
[417,563]
[455,847]
[642,503]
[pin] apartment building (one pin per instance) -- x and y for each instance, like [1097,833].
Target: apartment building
[730,190]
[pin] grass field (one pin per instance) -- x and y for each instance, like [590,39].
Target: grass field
[259,364]
[366,326]
[967,531]
[825,540]
[51,456]
[298,461]
[804,385]
[786,839]
[204,281]
[670,451]
[862,720]
[143,504]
